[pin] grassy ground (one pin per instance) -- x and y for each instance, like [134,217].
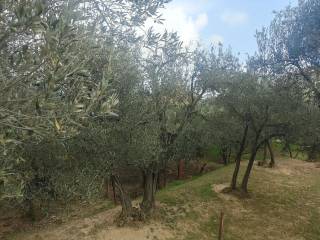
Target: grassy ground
[284,203]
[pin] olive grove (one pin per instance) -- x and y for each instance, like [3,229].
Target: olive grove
[86,93]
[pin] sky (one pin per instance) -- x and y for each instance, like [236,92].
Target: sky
[231,22]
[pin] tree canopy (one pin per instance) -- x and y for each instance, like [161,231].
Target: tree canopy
[84,94]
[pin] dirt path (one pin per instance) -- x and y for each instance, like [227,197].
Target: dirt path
[281,205]
[99,226]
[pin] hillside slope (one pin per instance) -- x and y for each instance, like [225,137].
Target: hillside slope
[284,203]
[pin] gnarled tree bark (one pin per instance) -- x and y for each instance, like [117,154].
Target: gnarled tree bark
[149,189]
[245,180]
[238,158]
[126,204]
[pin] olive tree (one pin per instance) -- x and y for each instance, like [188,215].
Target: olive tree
[57,61]
[290,47]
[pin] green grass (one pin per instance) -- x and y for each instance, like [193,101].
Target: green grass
[312,231]
[283,203]
[280,205]
[197,188]
[204,192]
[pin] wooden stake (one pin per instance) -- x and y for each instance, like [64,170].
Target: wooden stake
[221,226]
[181,169]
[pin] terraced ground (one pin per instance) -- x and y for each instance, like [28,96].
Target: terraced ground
[283,204]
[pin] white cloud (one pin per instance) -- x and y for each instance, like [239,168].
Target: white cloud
[201,21]
[216,39]
[184,20]
[234,18]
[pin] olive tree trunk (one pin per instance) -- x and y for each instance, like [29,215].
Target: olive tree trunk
[245,180]
[238,158]
[126,203]
[264,154]
[272,160]
[255,146]
[149,190]
[224,154]
[254,149]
